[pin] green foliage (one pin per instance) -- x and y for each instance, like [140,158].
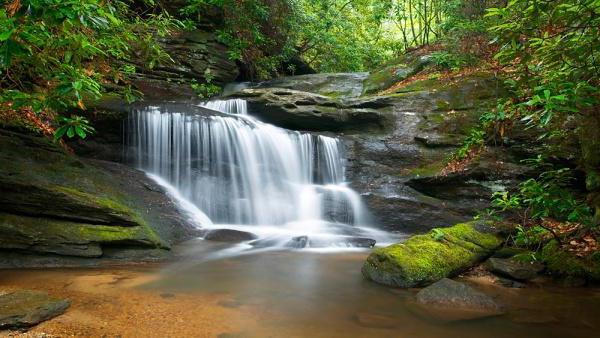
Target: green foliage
[475,139]
[73,126]
[55,55]
[555,48]
[448,60]
[529,237]
[546,196]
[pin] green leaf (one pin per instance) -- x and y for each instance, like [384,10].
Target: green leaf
[5,35]
[80,132]
[60,132]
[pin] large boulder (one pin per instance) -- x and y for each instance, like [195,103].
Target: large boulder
[424,259]
[54,203]
[26,308]
[449,300]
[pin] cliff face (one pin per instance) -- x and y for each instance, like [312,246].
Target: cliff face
[56,208]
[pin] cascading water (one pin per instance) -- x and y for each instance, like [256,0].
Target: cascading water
[247,174]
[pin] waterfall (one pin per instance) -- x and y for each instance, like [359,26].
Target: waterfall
[240,171]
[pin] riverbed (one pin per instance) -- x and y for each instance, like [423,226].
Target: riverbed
[281,294]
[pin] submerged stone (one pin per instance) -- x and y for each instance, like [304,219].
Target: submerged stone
[449,300]
[424,259]
[297,242]
[26,308]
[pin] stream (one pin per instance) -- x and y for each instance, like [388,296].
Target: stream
[284,294]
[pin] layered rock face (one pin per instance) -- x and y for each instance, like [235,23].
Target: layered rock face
[56,205]
[196,55]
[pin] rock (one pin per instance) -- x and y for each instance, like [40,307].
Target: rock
[395,71]
[52,202]
[514,269]
[329,241]
[328,84]
[376,320]
[229,235]
[509,283]
[193,53]
[425,259]
[509,251]
[297,242]
[45,235]
[300,110]
[449,300]
[361,242]
[25,308]
[572,270]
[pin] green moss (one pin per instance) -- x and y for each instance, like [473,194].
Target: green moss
[58,236]
[424,259]
[431,169]
[563,264]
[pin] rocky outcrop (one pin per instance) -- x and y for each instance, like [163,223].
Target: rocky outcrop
[26,308]
[300,110]
[193,55]
[398,170]
[54,203]
[425,259]
[333,85]
[448,300]
[395,71]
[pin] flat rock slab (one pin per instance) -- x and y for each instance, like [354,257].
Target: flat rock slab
[449,300]
[26,308]
[229,235]
[514,269]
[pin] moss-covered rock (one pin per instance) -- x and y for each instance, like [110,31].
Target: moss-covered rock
[43,235]
[25,308]
[560,263]
[52,202]
[394,71]
[424,259]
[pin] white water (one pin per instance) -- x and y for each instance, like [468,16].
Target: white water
[233,171]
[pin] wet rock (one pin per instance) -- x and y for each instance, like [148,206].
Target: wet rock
[449,300]
[300,110]
[327,84]
[424,259]
[229,235]
[361,242]
[514,269]
[509,283]
[25,308]
[55,203]
[297,242]
[376,320]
